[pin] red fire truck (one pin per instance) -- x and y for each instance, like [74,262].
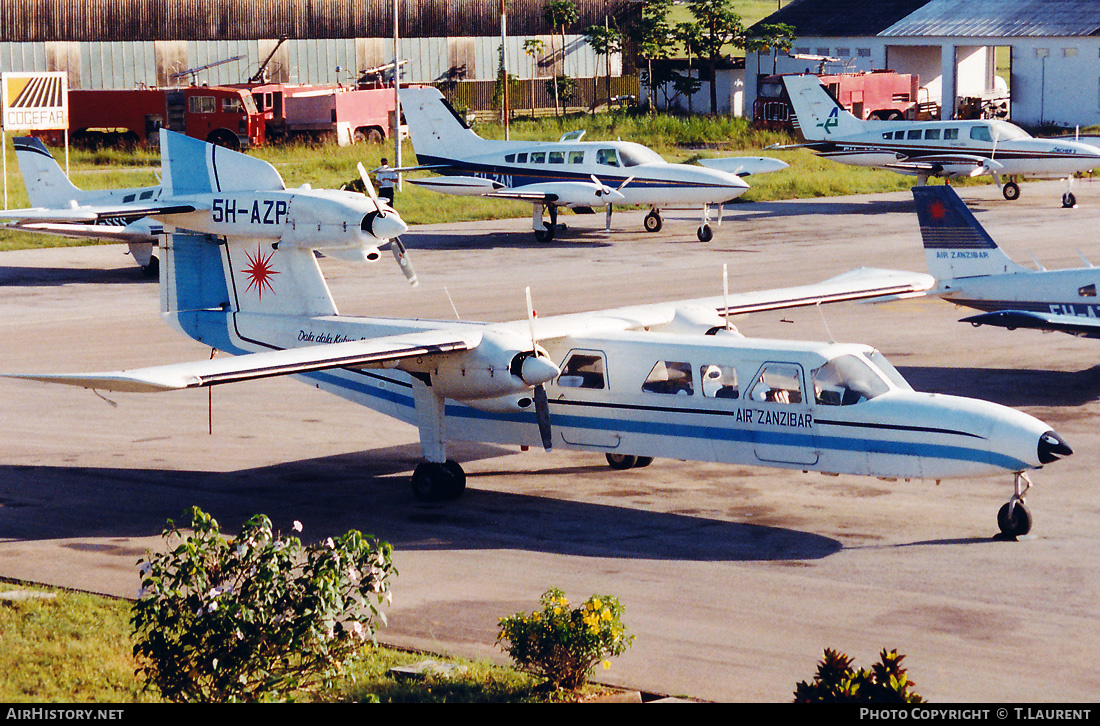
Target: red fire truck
[216,114]
[882,95]
[347,114]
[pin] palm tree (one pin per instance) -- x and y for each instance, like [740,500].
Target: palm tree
[558,14]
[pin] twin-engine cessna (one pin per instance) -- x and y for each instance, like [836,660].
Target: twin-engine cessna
[925,149]
[246,199]
[657,380]
[581,175]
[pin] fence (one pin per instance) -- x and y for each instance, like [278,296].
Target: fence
[480,97]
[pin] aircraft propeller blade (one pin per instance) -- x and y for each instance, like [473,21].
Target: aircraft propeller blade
[368,187]
[542,406]
[401,255]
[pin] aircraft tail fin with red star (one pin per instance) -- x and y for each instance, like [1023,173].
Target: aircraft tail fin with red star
[955,245]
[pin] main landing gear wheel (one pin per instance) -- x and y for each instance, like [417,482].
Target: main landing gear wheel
[546,234]
[434,482]
[622,462]
[1011,191]
[704,233]
[652,222]
[1014,519]
[153,268]
[1069,201]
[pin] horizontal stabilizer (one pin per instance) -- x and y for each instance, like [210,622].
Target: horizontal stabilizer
[745,165]
[1012,319]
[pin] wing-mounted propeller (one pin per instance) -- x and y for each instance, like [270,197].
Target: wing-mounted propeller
[385,224]
[535,366]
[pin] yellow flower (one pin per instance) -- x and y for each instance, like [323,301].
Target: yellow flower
[606,615]
[606,665]
[557,611]
[596,604]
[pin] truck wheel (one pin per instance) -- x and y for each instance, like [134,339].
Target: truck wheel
[372,135]
[222,137]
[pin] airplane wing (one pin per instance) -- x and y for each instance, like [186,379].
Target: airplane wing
[87,214]
[745,165]
[1012,319]
[252,366]
[960,164]
[87,230]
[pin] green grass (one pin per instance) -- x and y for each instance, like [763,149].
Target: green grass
[76,648]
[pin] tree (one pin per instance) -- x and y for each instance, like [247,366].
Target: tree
[776,37]
[653,34]
[690,36]
[558,14]
[719,26]
[604,41]
[533,48]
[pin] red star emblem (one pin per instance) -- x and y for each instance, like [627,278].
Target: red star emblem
[938,211]
[259,272]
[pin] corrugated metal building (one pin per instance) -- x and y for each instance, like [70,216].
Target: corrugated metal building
[1052,48]
[122,43]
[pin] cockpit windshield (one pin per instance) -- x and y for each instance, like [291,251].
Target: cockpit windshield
[847,380]
[1005,131]
[636,154]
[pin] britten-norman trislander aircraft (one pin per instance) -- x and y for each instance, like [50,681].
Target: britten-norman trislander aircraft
[260,207]
[582,175]
[656,380]
[934,148]
[972,271]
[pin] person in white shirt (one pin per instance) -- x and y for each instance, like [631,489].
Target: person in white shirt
[387,181]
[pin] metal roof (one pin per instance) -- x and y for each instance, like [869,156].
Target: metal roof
[1000,18]
[843,18]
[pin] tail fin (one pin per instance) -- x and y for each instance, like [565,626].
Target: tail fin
[436,130]
[955,245]
[191,166]
[818,115]
[47,185]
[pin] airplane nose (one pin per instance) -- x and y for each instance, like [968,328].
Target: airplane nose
[384,225]
[1052,447]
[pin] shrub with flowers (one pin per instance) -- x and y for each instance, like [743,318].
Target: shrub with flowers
[564,645]
[258,617]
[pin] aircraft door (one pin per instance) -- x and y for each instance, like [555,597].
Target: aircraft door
[782,418]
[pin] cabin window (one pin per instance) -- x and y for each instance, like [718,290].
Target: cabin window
[670,377]
[510,158]
[932,135]
[557,157]
[981,133]
[608,157]
[899,134]
[846,381]
[201,104]
[718,381]
[778,383]
[915,134]
[888,135]
[1087,291]
[582,370]
[576,157]
[521,158]
[538,157]
[232,105]
[950,134]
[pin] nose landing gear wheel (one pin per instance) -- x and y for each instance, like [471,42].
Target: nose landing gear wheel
[1014,519]
[652,222]
[1069,201]
[1011,191]
[704,233]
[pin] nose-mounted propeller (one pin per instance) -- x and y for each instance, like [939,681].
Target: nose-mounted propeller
[537,367]
[613,195]
[384,223]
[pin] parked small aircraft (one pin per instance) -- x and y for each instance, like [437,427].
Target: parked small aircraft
[345,224]
[934,148]
[582,175]
[971,270]
[49,188]
[670,379]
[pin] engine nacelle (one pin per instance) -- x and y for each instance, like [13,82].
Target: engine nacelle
[695,320]
[502,365]
[504,404]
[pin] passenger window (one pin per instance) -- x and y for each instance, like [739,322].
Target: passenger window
[913,134]
[899,134]
[888,135]
[950,134]
[778,383]
[846,381]
[521,158]
[670,377]
[538,157]
[576,157]
[718,381]
[932,134]
[557,157]
[582,370]
[1087,291]
[510,158]
[981,133]
[608,157]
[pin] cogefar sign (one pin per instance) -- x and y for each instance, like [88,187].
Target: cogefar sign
[34,101]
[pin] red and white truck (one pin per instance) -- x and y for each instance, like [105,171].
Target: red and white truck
[885,95]
[346,114]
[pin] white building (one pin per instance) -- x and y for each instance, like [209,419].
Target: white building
[1051,48]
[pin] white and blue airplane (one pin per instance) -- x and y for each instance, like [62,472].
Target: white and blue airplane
[972,271]
[581,175]
[926,149]
[338,223]
[657,380]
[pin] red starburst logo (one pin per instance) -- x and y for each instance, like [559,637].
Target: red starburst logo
[260,273]
[938,210]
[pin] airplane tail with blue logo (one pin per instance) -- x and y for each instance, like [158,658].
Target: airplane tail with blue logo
[955,244]
[438,133]
[206,280]
[818,116]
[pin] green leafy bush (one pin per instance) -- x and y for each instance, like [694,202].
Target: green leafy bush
[837,682]
[259,617]
[564,645]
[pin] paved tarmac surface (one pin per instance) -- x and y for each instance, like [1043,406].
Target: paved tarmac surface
[734,579]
